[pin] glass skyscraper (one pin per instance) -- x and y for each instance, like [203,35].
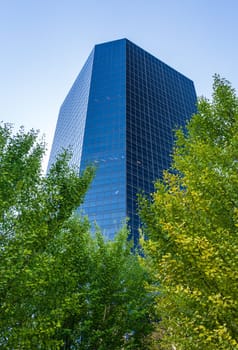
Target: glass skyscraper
[120,115]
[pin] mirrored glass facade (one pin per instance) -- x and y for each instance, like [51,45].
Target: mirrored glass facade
[69,132]
[120,115]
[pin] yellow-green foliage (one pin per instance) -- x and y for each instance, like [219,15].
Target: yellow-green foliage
[192,225]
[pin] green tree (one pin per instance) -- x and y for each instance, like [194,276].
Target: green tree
[192,225]
[106,304]
[61,288]
[33,209]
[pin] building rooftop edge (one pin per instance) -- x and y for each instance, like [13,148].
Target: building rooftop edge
[127,40]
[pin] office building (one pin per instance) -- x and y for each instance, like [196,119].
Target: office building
[120,115]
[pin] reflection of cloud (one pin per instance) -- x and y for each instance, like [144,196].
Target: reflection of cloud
[111,158]
[116,192]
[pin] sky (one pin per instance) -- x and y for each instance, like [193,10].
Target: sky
[44,44]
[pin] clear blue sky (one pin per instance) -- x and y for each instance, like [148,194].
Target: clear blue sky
[44,44]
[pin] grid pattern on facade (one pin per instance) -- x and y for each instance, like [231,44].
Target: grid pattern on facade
[159,100]
[120,115]
[70,126]
[104,139]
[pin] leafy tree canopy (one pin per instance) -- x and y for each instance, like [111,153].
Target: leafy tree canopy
[60,288]
[192,225]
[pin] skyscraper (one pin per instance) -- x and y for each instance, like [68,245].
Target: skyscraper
[120,115]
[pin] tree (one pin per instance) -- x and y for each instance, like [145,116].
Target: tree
[108,306]
[61,288]
[33,209]
[192,226]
